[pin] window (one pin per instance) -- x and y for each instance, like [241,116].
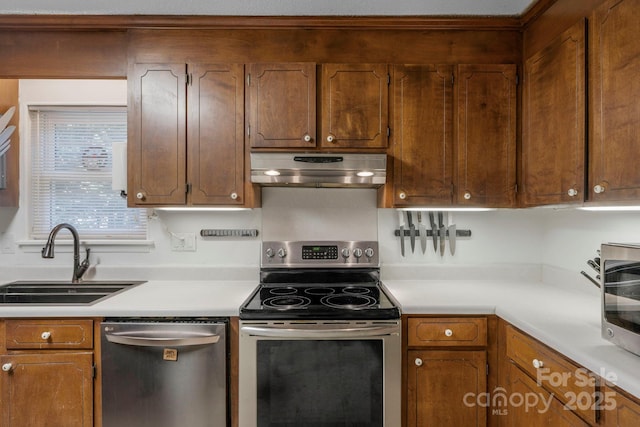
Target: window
[71,161]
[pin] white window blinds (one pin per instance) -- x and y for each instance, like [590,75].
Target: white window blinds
[71,158]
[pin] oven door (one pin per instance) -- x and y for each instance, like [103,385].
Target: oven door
[320,373]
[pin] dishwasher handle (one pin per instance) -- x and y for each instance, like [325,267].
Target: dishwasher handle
[146,339]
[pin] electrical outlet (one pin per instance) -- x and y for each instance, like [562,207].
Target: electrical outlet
[183,242]
[8,243]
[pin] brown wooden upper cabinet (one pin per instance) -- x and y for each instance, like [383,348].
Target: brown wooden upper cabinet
[614,92]
[186,135]
[553,135]
[485,135]
[282,105]
[352,107]
[422,134]
[453,138]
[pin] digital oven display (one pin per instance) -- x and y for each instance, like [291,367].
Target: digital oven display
[320,252]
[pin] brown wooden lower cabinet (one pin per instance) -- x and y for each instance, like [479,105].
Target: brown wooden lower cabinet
[619,410]
[529,405]
[446,371]
[47,376]
[444,387]
[47,390]
[483,371]
[571,384]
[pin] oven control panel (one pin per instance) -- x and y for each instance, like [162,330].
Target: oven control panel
[320,253]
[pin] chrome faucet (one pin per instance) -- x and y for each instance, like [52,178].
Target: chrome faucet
[78,268]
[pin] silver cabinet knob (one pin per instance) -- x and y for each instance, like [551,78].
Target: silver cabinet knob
[140,196]
[369,252]
[572,192]
[233,196]
[45,335]
[307,138]
[598,189]
[269,252]
[357,252]
[345,253]
[537,363]
[448,332]
[402,195]
[330,138]
[418,362]
[7,367]
[282,252]
[467,195]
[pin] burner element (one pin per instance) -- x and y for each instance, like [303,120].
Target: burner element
[348,302]
[286,302]
[320,290]
[356,290]
[283,291]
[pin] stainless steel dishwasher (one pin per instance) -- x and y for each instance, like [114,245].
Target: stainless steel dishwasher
[164,372]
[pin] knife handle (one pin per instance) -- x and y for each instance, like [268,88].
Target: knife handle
[401,218]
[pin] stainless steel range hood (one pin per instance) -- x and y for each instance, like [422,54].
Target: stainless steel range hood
[319,170]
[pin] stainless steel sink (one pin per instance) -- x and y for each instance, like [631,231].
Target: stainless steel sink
[61,293]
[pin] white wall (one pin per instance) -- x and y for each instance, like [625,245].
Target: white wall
[563,238]
[267,7]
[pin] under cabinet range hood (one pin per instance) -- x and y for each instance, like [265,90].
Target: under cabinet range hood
[319,169]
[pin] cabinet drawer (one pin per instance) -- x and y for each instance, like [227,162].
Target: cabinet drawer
[570,383]
[49,334]
[540,409]
[446,332]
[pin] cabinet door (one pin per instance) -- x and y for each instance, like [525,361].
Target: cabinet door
[157,135]
[553,128]
[528,405]
[618,410]
[47,390]
[282,105]
[216,134]
[355,102]
[486,135]
[614,93]
[443,388]
[422,115]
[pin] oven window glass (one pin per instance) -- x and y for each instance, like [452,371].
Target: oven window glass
[622,294]
[320,383]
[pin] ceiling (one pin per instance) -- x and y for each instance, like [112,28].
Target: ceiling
[267,7]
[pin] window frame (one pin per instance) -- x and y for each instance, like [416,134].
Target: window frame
[29,164]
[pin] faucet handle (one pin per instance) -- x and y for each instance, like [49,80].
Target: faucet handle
[83,267]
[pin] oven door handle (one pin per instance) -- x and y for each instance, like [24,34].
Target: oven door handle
[357,332]
[146,340]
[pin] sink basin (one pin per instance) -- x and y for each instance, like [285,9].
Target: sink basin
[61,293]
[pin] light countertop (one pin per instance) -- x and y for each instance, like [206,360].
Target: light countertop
[564,319]
[169,298]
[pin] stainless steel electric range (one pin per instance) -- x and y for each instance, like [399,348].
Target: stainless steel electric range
[320,339]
